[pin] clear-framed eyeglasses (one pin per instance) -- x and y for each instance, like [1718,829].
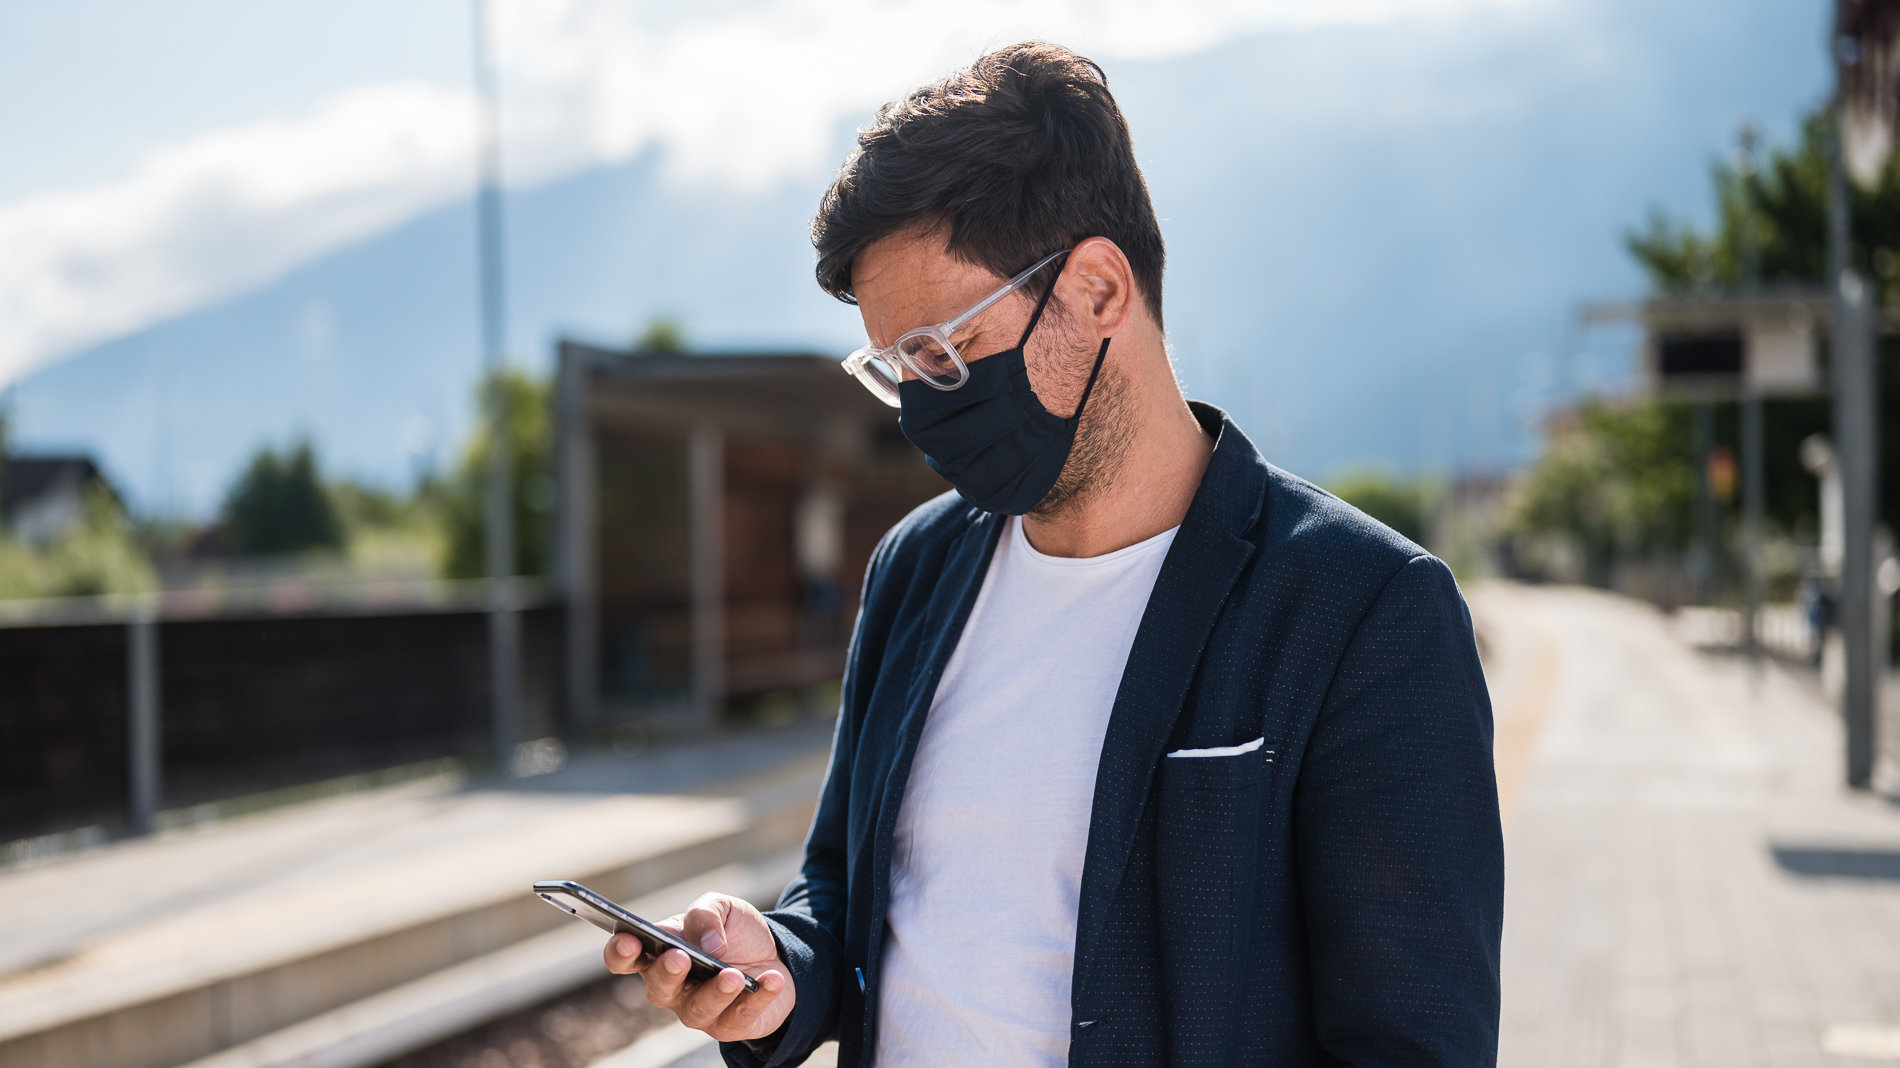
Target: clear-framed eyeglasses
[927,352]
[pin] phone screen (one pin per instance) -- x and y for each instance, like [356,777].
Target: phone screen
[578,901]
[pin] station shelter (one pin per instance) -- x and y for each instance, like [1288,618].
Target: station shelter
[716,515]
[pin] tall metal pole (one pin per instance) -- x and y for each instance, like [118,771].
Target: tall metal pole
[504,625]
[1752,460]
[1857,428]
[144,734]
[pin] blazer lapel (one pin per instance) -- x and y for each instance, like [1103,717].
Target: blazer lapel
[964,568]
[1200,570]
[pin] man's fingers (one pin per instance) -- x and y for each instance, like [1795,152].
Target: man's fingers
[718,1005]
[623,955]
[666,980]
[704,1006]
[740,1017]
[705,924]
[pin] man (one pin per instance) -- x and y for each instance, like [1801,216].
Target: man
[1149,753]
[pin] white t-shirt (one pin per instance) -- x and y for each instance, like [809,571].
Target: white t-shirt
[986,868]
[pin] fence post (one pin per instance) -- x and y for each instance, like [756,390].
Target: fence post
[145,751]
[1857,420]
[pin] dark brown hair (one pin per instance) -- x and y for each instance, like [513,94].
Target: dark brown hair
[1020,154]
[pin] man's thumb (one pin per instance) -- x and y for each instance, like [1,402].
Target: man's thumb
[714,939]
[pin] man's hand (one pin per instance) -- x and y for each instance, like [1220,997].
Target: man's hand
[733,931]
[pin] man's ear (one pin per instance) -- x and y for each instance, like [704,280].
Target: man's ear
[1098,287]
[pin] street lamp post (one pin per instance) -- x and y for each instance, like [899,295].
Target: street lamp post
[1752,458]
[1862,43]
[504,624]
[1856,421]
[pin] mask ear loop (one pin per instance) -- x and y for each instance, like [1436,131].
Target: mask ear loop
[1043,303]
[1100,357]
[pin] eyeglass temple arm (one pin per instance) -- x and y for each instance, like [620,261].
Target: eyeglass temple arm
[1007,288]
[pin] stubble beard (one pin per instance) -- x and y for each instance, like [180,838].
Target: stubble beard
[1104,436]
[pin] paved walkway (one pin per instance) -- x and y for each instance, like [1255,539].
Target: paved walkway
[53,912]
[364,913]
[1687,881]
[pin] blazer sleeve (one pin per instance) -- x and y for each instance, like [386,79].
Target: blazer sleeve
[808,925]
[1399,844]
[809,922]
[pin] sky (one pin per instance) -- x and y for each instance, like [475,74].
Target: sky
[164,163]
[221,144]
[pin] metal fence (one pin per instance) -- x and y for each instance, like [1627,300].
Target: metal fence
[110,714]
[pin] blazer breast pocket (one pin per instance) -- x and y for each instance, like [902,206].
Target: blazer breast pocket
[1224,768]
[1210,806]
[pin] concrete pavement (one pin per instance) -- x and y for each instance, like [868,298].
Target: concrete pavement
[1687,881]
[369,914]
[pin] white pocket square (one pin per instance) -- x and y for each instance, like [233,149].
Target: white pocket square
[1223,750]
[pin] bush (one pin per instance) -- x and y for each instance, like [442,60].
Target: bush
[1398,503]
[1617,482]
[97,556]
[531,452]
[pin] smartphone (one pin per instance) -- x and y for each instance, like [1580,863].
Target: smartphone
[577,900]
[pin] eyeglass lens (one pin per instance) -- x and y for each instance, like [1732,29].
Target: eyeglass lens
[928,358]
[882,376]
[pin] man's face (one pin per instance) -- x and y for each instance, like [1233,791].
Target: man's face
[909,280]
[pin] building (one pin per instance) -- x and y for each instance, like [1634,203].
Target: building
[42,497]
[717,513]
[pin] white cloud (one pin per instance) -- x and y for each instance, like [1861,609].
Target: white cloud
[743,97]
[220,213]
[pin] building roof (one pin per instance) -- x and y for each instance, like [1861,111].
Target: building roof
[796,391]
[24,479]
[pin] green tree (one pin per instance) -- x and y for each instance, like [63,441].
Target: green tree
[1618,478]
[1786,200]
[464,499]
[662,336]
[1621,478]
[279,505]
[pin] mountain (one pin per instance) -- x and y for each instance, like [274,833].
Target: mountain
[1377,238]
[374,353]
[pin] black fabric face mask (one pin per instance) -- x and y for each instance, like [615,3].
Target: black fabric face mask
[991,438]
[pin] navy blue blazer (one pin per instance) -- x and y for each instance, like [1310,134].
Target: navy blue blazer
[1334,896]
